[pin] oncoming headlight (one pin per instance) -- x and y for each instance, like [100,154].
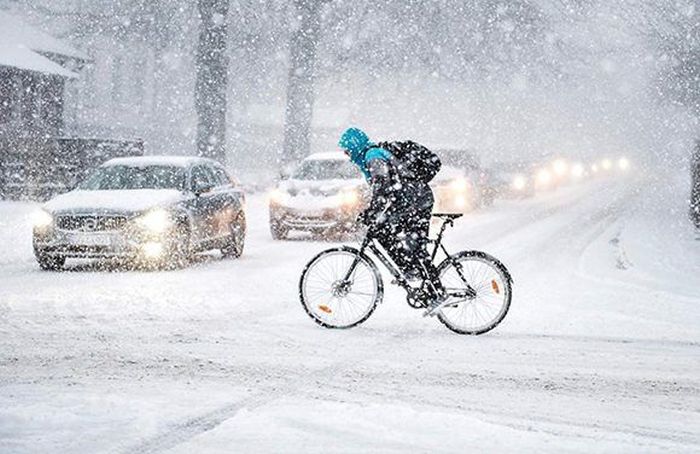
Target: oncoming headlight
[156,221]
[279,196]
[459,185]
[544,177]
[41,219]
[519,182]
[623,163]
[349,197]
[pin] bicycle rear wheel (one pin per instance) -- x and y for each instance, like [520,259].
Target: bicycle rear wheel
[483,309]
[329,299]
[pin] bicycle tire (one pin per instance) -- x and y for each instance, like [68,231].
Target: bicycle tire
[506,280]
[371,266]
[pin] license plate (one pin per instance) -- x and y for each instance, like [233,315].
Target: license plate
[89,239]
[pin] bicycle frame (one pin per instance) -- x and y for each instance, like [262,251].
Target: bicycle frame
[369,243]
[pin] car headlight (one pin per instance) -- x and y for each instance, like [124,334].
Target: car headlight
[459,185]
[519,183]
[156,221]
[41,219]
[544,177]
[349,197]
[279,196]
[560,167]
[577,170]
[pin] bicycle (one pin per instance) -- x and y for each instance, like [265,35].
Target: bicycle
[341,287]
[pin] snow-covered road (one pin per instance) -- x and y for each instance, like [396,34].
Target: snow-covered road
[600,351]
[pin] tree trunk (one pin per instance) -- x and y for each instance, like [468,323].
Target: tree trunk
[211,83]
[300,82]
[695,186]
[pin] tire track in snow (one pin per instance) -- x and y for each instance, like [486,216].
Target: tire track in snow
[191,427]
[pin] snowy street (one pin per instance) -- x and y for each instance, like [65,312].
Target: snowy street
[601,344]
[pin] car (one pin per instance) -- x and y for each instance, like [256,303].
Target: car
[457,186]
[323,195]
[512,180]
[455,191]
[155,210]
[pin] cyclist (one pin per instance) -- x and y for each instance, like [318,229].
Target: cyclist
[399,211]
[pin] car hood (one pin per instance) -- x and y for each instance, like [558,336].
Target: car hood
[318,187]
[121,201]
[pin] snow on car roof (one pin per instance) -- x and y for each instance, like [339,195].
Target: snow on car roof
[178,161]
[328,155]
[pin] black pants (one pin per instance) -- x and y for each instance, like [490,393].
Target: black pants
[405,237]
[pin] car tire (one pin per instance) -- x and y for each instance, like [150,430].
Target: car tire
[51,263]
[278,232]
[234,247]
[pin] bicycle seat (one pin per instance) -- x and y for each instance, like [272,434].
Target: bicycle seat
[448,215]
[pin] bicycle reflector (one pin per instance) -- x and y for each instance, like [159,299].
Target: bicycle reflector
[494,286]
[325,308]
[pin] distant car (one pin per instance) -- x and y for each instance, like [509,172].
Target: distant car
[323,195]
[156,210]
[458,186]
[455,190]
[512,180]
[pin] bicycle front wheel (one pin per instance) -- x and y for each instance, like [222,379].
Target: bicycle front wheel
[481,291]
[333,301]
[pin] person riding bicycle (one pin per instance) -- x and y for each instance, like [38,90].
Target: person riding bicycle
[399,211]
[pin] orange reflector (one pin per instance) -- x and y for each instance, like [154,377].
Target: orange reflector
[494,286]
[325,308]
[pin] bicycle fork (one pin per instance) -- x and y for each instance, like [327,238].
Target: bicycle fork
[346,279]
[468,292]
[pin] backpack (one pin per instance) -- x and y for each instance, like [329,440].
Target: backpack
[416,161]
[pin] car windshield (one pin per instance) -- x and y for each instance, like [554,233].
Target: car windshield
[326,169]
[134,177]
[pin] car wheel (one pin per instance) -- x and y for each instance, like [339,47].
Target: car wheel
[236,243]
[278,232]
[51,263]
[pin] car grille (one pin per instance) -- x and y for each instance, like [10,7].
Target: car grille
[87,223]
[307,222]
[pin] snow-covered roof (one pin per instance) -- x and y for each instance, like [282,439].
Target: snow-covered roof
[18,56]
[328,155]
[140,161]
[13,31]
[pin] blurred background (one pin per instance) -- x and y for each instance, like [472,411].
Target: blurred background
[509,79]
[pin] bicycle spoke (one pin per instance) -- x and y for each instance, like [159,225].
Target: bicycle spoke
[331,299]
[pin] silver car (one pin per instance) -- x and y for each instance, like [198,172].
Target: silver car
[324,195]
[156,210]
